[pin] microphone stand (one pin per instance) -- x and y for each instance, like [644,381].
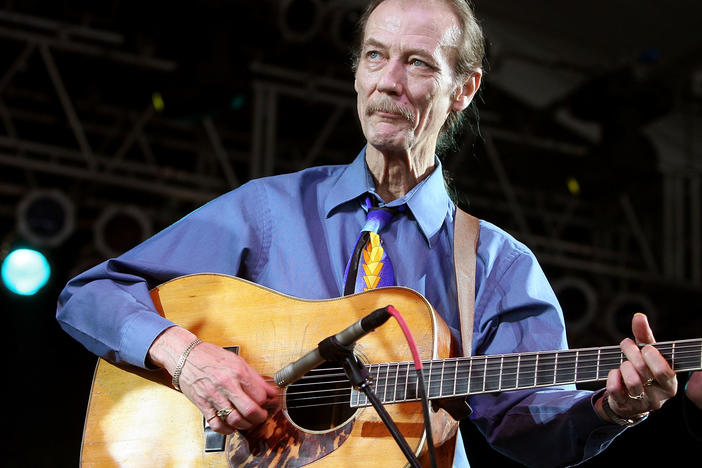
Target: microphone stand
[332,350]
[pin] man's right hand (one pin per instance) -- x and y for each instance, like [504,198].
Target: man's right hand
[216,379]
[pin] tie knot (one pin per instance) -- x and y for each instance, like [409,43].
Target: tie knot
[378,218]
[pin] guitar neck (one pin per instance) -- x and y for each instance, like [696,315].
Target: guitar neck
[445,378]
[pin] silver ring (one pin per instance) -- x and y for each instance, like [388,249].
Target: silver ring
[224,412]
[649,382]
[636,397]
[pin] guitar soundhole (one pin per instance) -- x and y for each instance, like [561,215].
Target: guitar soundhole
[319,401]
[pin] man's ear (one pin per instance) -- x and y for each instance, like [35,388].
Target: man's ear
[464,95]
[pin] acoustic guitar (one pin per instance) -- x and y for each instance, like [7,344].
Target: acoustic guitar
[135,418]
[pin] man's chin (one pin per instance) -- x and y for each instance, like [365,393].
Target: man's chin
[394,141]
[390,146]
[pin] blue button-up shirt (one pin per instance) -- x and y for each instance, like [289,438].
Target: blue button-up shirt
[294,233]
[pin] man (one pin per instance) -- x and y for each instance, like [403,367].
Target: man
[418,65]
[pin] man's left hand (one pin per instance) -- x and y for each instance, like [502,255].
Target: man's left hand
[644,381]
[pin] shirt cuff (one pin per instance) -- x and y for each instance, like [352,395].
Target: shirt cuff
[138,336]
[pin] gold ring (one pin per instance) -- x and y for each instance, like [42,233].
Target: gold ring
[211,418]
[636,397]
[224,412]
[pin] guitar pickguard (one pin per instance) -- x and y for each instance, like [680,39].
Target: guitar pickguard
[279,443]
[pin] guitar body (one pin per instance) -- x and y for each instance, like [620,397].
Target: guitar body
[135,417]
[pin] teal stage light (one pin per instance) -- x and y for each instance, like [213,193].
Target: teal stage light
[25,271]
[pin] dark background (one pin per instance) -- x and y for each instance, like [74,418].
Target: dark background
[588,150]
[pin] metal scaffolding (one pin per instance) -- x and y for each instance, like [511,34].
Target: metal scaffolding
[105,152]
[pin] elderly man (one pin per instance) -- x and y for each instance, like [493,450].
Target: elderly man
[417,67]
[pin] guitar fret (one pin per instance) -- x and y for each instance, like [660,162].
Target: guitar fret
[455,378]
[672,357]
[519,364]
[575,375]
[431,373]
[502,361]
[394,390]
[555,367]
[470,374]
[536,367]
[385,388]
[441,385]
[599,354]
[485,373]
[432,379]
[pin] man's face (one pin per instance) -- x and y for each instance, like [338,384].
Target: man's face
[404,80]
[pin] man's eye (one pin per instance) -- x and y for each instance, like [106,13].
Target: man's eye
[373,55]
[418,63]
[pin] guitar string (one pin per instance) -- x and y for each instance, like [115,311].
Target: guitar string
[583,367]
[583,364]
[681,350]
[345,398]
[590,367]
[615,352]
[493,372]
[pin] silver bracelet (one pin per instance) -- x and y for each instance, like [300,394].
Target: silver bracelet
[181,362]
[626,422]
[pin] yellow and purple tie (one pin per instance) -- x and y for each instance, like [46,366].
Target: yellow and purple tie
[369,266]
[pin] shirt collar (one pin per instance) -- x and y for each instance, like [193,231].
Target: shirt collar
[428,201]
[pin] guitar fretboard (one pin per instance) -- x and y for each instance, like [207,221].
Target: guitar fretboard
[397,381]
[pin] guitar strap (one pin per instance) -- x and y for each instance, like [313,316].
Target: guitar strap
[465,245]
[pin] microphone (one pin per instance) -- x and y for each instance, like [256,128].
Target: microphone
[296,369]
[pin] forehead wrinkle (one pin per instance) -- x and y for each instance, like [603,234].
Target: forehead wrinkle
[442,31]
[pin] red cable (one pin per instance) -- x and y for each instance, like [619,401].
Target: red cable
[408,336]
[418,366]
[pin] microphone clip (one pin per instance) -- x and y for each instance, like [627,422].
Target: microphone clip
[332,350]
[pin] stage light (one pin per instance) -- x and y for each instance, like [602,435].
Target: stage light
[45,217]
[25,271]
[573,186]
[300,20]
[119,228]
[157,101]
[238,102]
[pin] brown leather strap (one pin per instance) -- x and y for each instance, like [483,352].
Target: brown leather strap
[466,232]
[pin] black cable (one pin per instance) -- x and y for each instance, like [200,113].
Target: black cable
[427,421]
[356,372]
[394,431]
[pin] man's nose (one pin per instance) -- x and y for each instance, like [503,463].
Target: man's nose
[392,78]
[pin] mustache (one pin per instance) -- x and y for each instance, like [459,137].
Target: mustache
[385,104]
